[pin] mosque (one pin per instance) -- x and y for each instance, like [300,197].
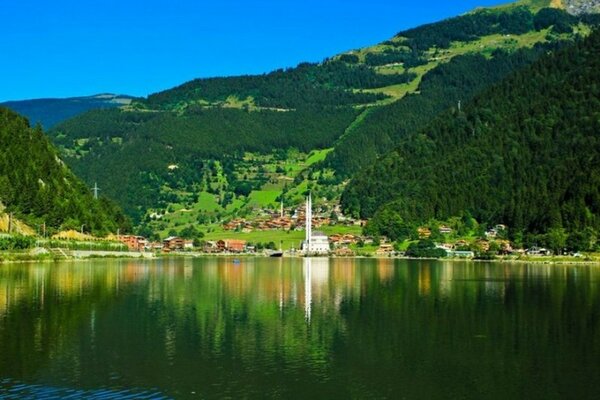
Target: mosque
[315,243]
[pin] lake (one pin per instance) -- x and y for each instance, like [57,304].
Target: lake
[299,328]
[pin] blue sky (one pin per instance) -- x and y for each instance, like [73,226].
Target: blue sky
[63,48]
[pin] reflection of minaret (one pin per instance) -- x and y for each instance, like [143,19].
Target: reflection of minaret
[307,288]
[308,229]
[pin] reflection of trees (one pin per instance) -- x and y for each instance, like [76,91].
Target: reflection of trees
[191,324]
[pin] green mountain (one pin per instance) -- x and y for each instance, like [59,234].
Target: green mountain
[462,56]
[212,149]
[49,112]
[524,153]
[37,187]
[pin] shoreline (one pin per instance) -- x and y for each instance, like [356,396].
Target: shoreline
[21,258]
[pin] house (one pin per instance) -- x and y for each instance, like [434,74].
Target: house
[424,233]
[461,254]
[491,234]
[484,245]
[231,246]
[154,246]
[134,243]
[211,247]
[445,230]
[505,246]
[538,251]
[188,244]
[385,249]
[349,239]
[445,246]
[343,252]
[335,239]
[173,243]
[495,231]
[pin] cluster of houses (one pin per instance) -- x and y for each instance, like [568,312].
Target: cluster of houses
[140,243]
[286,219]
[174,244]
[284,223]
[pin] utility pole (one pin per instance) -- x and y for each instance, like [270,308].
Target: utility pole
[96,189]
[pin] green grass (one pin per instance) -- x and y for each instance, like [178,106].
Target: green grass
[340,229]
[296,194]
[207,203]
[317,156]
[264,198]
[485,45]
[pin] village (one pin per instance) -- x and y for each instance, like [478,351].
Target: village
[442,238]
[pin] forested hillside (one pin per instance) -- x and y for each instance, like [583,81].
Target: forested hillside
[37,187]
[134,154]
[525,153]
[492,52]
[442,88]
[160,152]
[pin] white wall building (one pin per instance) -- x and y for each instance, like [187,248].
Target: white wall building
[316,243]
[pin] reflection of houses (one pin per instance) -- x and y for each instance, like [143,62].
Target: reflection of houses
[316,243]
[173,243]
[134,243]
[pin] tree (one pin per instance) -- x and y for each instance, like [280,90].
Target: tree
[556,240]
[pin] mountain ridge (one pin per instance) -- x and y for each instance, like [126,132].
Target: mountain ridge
[51,111]
[333,101]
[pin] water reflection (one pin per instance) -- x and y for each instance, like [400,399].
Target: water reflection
[302,327]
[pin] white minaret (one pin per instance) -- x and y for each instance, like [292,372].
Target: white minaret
[308,228]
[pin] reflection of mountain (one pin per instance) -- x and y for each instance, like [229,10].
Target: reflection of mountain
[241,330]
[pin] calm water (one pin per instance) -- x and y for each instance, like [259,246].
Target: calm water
[280,328]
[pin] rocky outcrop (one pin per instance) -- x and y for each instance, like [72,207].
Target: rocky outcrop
[578,7]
